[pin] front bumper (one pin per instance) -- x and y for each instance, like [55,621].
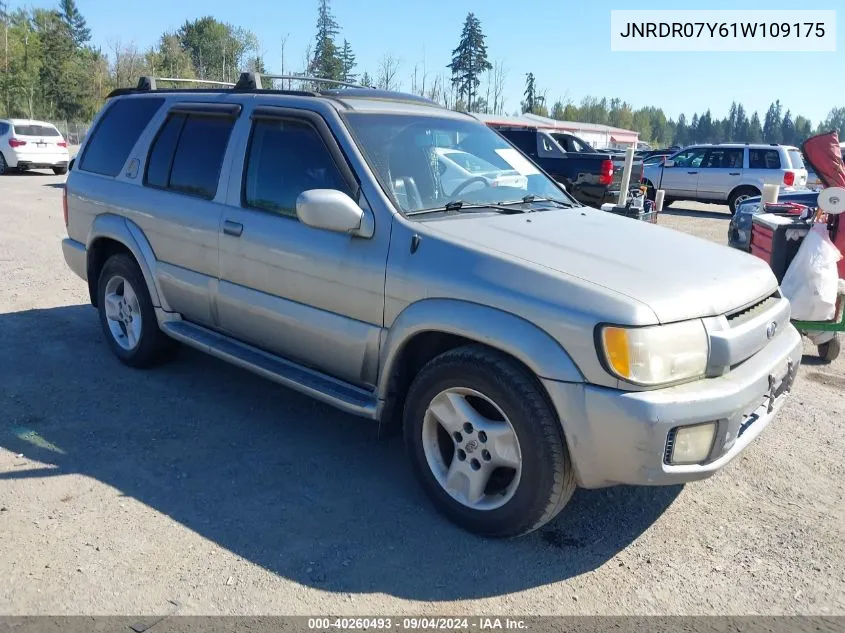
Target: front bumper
[619,437]
[76,257]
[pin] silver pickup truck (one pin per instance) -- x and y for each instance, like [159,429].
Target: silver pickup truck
[523,344]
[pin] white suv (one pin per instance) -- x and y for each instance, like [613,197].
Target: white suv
[729,172]
[27,144]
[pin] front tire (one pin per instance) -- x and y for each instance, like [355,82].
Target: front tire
[739,196]
[485,443]
[127,314]
[4,166]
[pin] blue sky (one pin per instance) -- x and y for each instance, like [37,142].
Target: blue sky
[565,43]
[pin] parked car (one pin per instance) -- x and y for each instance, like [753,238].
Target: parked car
[739,229]
[727,173]
[458,167]
[655,159]
[28,144]
[591,178]
[523,344]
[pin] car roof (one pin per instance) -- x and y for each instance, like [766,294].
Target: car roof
[27,122]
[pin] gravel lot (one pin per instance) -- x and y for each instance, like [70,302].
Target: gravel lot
[198,488]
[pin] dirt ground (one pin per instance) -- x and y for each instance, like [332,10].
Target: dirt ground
[198,488]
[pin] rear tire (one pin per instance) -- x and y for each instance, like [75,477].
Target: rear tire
[503,439]
[60,171]
[127,315]
[739,196]
[4,166]
[667,202]
[829,351]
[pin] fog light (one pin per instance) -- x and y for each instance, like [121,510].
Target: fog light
[692,444]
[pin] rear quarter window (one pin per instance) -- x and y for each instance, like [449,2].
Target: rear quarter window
[796,159]
[764,159]
[116,135]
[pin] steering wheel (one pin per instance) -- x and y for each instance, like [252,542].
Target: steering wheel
[466,183]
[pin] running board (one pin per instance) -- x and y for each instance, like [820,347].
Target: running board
[312,383]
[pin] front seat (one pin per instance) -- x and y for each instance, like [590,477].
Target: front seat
[412,175]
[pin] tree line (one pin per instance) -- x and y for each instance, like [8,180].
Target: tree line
[49,69]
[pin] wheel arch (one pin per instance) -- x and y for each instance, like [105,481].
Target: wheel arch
[739,188]
[428,328]
[111,234]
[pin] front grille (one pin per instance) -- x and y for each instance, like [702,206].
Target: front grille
[746,314]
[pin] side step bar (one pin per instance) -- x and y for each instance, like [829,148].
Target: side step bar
[330,390]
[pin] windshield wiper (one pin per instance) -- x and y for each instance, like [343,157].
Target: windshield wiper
[532,198]
[461,205]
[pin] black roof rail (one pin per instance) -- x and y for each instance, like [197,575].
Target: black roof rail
[253,82]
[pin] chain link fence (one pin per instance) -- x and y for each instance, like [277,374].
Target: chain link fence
[74,132]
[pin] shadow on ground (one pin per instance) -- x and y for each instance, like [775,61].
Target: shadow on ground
[697,213]
[287,483]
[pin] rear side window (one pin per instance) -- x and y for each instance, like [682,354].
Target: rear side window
[796,159]
[116,135]
[187,154]
[723,158]
[764,159]
[286,158]
[36,130]
[4,127]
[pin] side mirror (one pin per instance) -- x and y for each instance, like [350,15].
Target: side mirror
[333,210]
[668,163]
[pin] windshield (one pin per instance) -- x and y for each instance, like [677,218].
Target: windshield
[405,152]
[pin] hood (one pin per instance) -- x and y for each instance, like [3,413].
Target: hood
[677,275]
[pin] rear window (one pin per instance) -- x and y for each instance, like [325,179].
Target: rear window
[36,130]
[188,153]
[764,159]
[796,158]
[116,135]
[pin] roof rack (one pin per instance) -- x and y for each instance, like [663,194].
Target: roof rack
[247,82]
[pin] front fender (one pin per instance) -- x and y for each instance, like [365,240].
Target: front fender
[501,330]
[126,232]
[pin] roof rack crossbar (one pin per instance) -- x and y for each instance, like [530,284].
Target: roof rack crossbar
[307,78]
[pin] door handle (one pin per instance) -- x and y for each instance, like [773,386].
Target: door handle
[692,172]
[233,228]
[733,173]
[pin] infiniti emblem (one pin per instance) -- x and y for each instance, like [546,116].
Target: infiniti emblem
[770,331]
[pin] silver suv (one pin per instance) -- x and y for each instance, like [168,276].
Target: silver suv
[725,173]
[522,343]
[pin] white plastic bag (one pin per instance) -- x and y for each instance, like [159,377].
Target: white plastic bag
[811,282]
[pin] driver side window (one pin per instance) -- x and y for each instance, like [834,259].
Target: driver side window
[690,158]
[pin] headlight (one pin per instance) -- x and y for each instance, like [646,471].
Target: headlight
[657,354]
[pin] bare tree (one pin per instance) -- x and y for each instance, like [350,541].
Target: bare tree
[282,72]
[387,73]
[127,63]
[435,90]
[500,74]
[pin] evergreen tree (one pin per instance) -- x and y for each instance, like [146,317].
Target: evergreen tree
[755,130]
[803,129]
[693,130]
[530,94]
[469,61]
[772,124]
[366,80]
[76,23]
[558,110]
[787,130]
[730,129]
[326,62]
[741,131]
[347,62]
[682,131]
